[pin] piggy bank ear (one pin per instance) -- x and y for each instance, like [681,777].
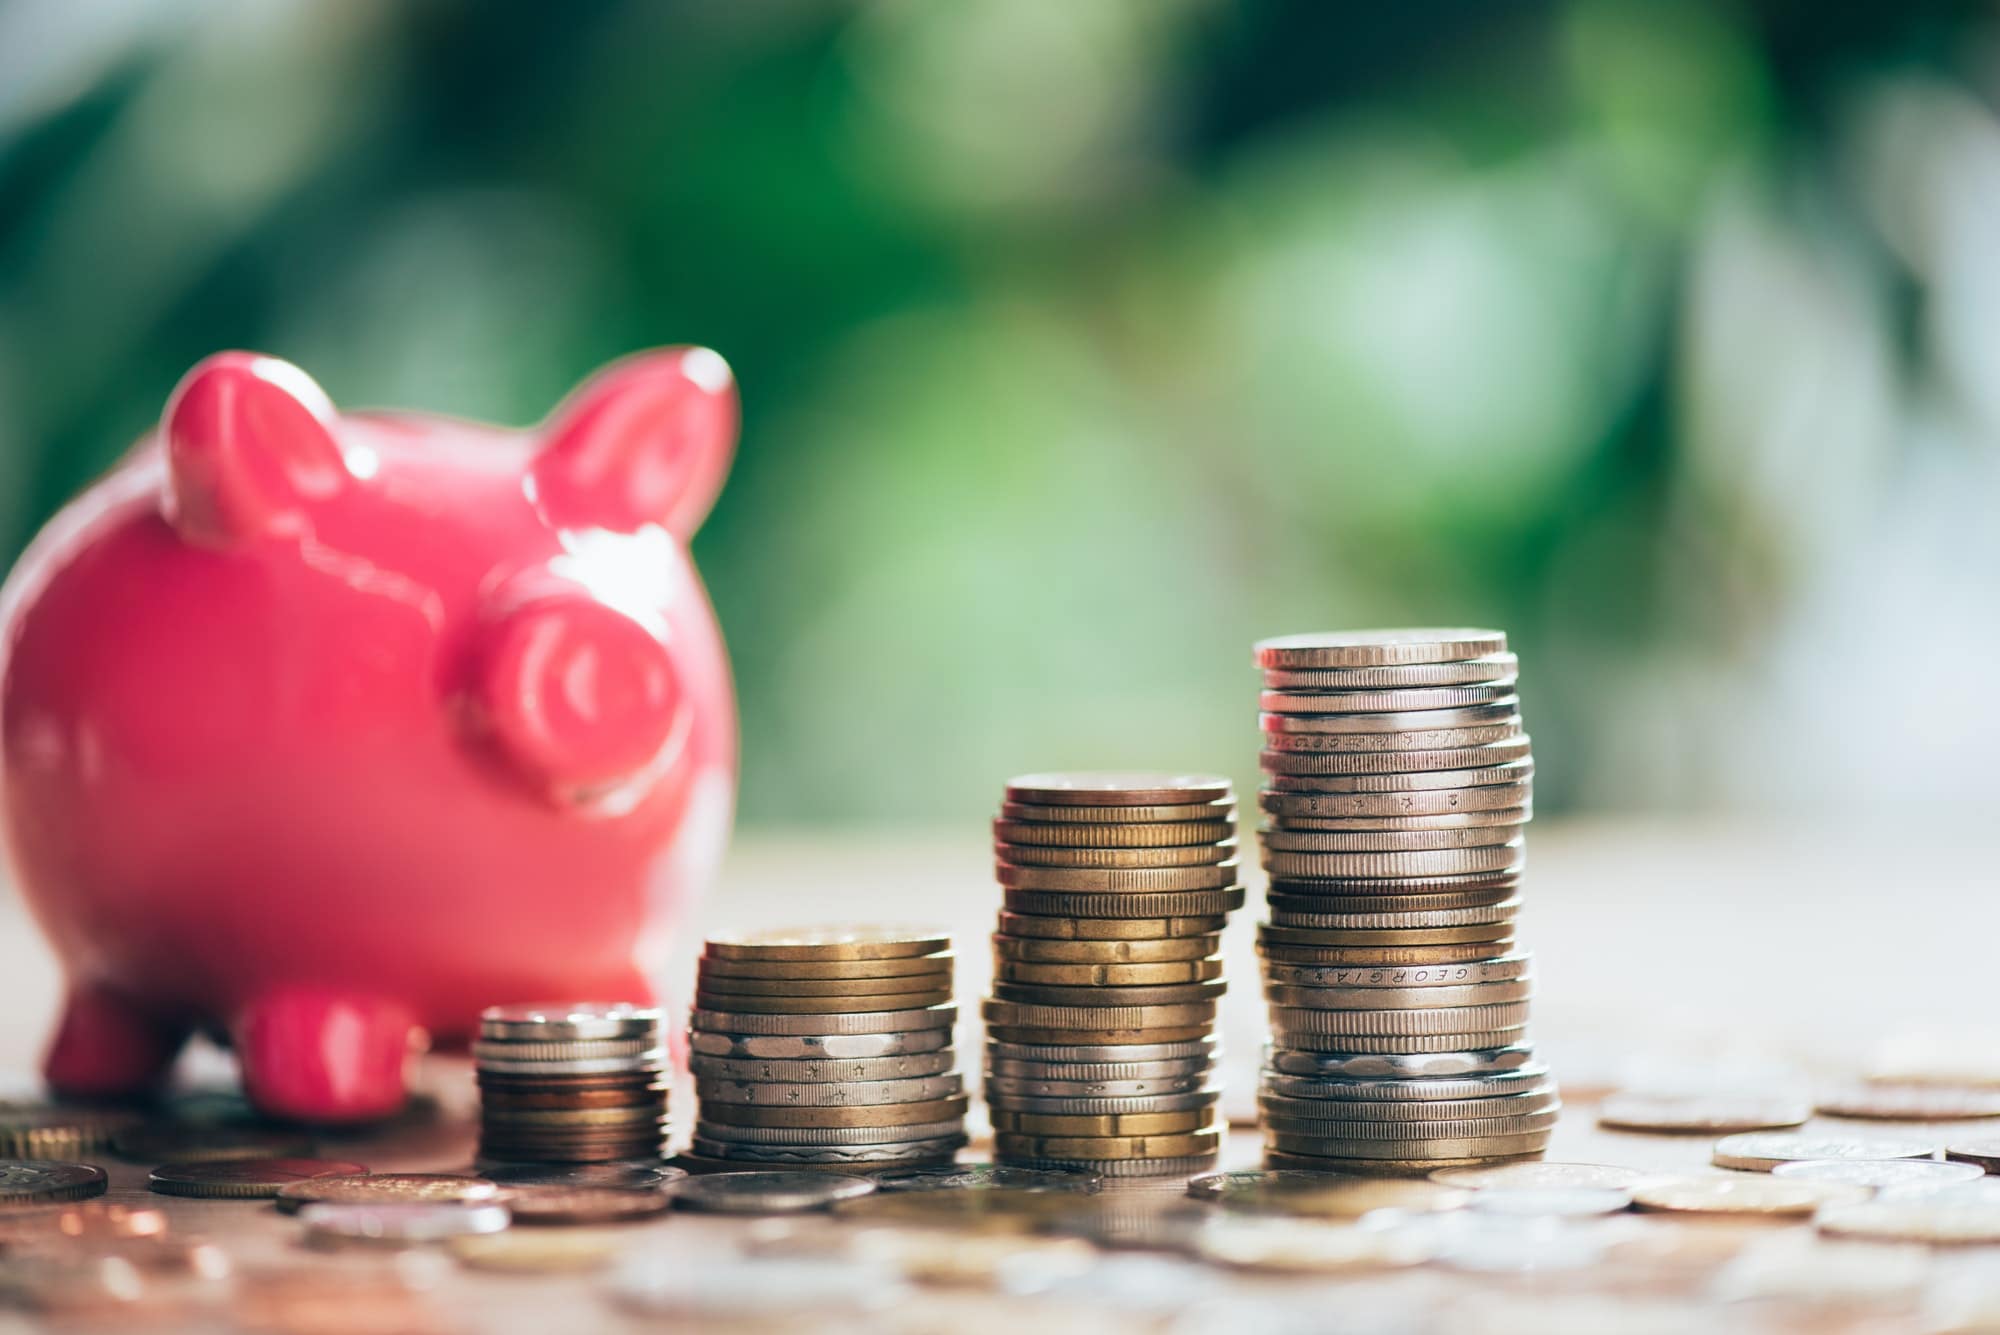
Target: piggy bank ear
[645,441]
[578,695]
[249,447]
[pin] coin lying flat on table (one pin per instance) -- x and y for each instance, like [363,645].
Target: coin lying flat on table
[379,1188]
[627,1176]
[1742,1194]
[1910,1103]
[1880,1174]
[398,1225]
[1938,1221]
[1321,1195]
[25,1182]
[768,1193]
[582,1205]
[1543,1176]
[1552,1202]
[987,1176]
[244,1179]
[1759,1151]
[537,1253]
[1711,1113]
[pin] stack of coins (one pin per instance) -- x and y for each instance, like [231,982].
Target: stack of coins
[1100,1047]
[571,1082]
[1396,789]
[826,1048]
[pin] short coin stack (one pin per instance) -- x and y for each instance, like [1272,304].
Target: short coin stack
[1397,784]
[1100,1048]
[571,1082]
[826,1048]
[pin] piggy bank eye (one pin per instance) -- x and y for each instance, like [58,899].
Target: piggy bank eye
[578,695]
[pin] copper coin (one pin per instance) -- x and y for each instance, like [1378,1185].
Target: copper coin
[583,1205]
[244,1179]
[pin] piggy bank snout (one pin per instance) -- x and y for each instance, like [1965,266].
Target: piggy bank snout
[578,695]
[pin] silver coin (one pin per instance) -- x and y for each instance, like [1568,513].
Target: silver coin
[1416,1021]
[1446,823]
[1289,840]
[569,1020]
[561,1050]
[1474,776]
[1096,1072]
[1379,764]
[1760,1151]
[989,1177]
[1399,1065]
[1499,916]
[1100,1107]
[1095,1089]
[620,1176]
[1407,699]
[826,1137]
[936,1147]
[1486,668]
[1368,866]
[1392,808]
[1383,747]
[780,1024]
[768,1192]
[1399,998]
[1881,1174]
[1504,709]
[399,1224]
[1378,648]
[653,1059]
[1552,1202]
[845,1094]
[1526,1077]
[825,1070]
[1087,1054]
[818,1047]
[1409,1112]
[1399,977]
[1128,1168]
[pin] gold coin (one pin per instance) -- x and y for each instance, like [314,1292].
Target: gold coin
[1086,1038]
[1183,994]
[1109,975]
[1102,1124]
[724,985]
[1042,815]
[1116,859]
[847,942]
[1742,1194]
[1050,927]
[387,1188]
[1119,788]
[714,966]
[878,1114]
[1142,834]
[1171,1146]
[1016,950]
[40,1131]
[1101,880]
[851,1004]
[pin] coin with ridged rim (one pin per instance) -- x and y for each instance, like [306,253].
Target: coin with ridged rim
[1320,1195]
[1378,648]
[1428,805]
[1402,676]
[1044,927]
[1478,774]
[244,1178]
[1881,1174]
[26,1182]
[1710,1113]
[1741,1194]
[569,1020]
[843,941]
[1045,950]
[1758,1151]
[374,1188]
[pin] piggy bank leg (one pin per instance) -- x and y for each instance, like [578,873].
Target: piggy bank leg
[320,1056]
[108,1046]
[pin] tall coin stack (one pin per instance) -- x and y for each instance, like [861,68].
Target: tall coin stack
[571,1082]
[1100,1047]
[826,1048]
[1397,785]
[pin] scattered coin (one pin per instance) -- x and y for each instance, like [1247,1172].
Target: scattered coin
[398,1225]
[387,1188]
[1710,1113]
[583,1205]
[244,1179]
[1742,1194]
[1552,1202]
[1983,1154]
[1880,1174]
[986,1176]
[1760,1151]
[627,1176]
[51,1131]
[41,1181]
[1288,1247]
[1320,1195]
[768,1193]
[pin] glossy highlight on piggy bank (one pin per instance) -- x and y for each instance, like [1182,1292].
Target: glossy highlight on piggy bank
[323,731]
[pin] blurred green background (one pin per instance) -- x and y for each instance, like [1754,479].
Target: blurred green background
[1084,341]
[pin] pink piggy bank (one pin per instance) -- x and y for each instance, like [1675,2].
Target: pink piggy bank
[324,731]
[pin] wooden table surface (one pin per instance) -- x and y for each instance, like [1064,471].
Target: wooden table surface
[1666,954]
